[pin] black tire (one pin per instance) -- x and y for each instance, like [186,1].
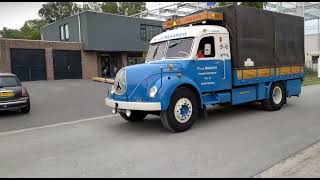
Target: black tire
[270,104]
[135,116]
[168,119]
[26,109]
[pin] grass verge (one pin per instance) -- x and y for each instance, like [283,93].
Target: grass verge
[310,77]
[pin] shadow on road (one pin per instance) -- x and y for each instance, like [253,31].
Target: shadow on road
[152,124]
[4,114]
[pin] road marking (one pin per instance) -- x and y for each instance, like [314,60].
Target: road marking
[54,125]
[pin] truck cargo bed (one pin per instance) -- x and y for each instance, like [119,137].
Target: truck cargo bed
[268,39]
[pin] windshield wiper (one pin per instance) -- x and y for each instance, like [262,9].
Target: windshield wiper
[175,43]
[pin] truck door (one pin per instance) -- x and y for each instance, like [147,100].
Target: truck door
[213,70]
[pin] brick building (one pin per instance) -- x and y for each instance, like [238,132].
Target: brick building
[79,47]
[34,60]
[115,40]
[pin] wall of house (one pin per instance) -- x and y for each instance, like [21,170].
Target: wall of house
[116,33]
[88,58]
[312,48]
[51,32]
[103,31]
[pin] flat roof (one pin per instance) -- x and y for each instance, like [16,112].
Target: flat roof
[6,74]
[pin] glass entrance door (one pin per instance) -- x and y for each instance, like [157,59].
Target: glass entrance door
[108,65]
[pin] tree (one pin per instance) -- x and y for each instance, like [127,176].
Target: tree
[53,11]
[30,30]
[259,5]
[130,8]
[92,6]
[110,7]
[10,33]
[123,8]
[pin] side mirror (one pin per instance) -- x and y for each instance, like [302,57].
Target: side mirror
[207,49]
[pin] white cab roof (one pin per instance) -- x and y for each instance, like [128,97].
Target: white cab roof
[190,31]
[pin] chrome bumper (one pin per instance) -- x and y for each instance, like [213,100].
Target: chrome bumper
[13,103]
[142,106]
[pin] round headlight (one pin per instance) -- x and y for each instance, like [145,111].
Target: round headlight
[112,91]
[153,91]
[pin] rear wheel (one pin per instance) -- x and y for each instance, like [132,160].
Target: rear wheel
[182,112]
[277,97]
[134,116]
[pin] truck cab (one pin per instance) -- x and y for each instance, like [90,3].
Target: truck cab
[187,69]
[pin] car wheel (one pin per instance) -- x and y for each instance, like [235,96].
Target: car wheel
[26,109]
[277,97]
[182,112]
[134,116]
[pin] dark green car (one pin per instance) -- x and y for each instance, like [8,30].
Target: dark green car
[13,96]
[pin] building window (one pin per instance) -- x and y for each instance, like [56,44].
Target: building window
[64,32]
[314,59]
[143,31]
[61,33]
[203,41]
[147,32]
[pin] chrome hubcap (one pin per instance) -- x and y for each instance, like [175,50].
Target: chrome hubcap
[183,110]
[277,95]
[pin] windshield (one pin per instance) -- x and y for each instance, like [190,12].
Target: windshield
[172,49]
[9,82]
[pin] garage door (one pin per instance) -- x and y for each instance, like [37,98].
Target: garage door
[28,64]
[67,64]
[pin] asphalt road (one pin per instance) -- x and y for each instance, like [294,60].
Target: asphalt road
[230,142]
[57,102]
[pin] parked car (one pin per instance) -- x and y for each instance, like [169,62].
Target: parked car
[13,96]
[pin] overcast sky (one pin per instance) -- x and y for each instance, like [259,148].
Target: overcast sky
[14,14]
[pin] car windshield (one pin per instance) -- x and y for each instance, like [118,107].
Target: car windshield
[172,49]
[9,82]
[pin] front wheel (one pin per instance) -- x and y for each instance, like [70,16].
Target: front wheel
[25,109]
[182,112]
[134,116]
[277,97]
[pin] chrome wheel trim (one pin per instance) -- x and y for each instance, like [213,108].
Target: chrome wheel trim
[277,95]
[179,109]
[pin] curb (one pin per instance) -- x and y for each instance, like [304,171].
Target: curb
[105,80]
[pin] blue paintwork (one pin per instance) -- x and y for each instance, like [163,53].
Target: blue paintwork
[293,87]
[211,79]
[184,110]
[215,98]
[262,91]
[244,94]
[219,79]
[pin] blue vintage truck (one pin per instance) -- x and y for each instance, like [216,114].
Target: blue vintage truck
[225,55]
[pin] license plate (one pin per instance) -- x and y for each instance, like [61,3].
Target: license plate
[6,94]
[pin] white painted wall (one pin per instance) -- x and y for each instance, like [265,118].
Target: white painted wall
[312,48]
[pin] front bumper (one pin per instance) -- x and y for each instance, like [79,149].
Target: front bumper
[11,105]
[141,106]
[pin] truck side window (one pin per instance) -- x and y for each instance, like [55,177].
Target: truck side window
[203,41]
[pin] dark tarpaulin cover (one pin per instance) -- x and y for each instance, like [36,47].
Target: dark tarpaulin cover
[267,38]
